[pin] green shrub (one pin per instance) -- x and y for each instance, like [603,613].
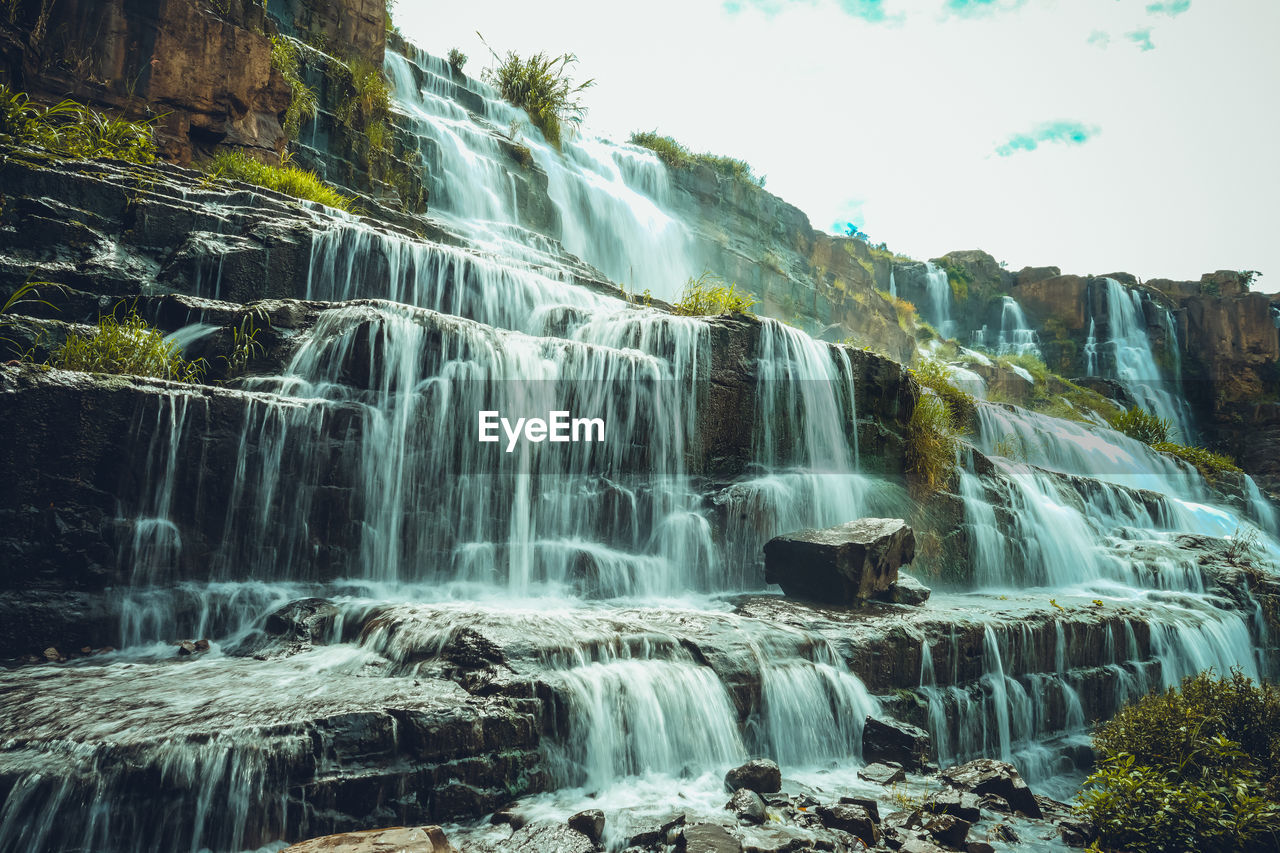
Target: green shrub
[1140,424]
[303,103]
[71,130]
[542,87]
[457,59]
[1193,768]
[128,346]
[935,375]
[931,443]
[677,156]
[1210,465]
[707,295]
[290,180]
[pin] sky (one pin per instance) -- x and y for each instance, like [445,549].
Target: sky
[1093,135]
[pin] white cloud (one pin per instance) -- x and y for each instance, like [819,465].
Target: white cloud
[897,118]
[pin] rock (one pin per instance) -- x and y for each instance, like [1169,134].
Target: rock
[987,776]
[202,645]
[658,835]
[883,774]
[979,847]
[760,775]
[510,816]
[187,647]
[1004,832]
[992,803]
[1075,830]
[52,654]
[906,590]
[542,838]
[872,807]
[845,564]
[919,845]
[707,838]
[590,823]
[85,650]
[892,741]
[948,830]
[854,820]
[962,804]
[747,805]
[418,839]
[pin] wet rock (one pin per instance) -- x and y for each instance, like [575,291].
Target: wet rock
[947,830]
[53,655]
[659,834]
[845,564]
[542,838]
[1075,830]
[962,804]
[590,823]
[992,803]
[907,590]
[919,845]
[854,820]
[979,847]
[761,775]
[304,621]
[872,807]
[987,776]
[883,774]
[747,805]
[1004,832]
[707,838]
[892,741]
[510,816]
[418,839]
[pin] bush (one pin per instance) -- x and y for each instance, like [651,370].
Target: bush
[707,295]
[303,103]
[934,375]
[677,156]
[70,130]
[931,442]
[1140,424]
[1193,768]
[128,346]
[457,59]
[290,180]
[1210,465]
[542,87]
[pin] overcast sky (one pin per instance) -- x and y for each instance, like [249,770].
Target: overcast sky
[1094,135]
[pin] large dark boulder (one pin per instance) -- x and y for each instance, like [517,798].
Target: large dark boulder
[845,564]
[761,775]
[988,776]
[892,741]
[852,819]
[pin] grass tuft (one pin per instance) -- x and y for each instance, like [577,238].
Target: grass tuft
[73,131]
[303,104]
[677,156]
[931,443]
[290,180]
[542,86]
[128,346]
[707,295]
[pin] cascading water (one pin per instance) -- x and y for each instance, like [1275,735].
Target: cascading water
[1130,359]
[1017,337]
[605,581]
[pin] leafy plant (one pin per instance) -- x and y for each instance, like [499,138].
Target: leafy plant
[707,295]
[244,342]
[457,59]
[68,129]
[128,346]
[287,179]
[1190,769]
[677,156]
[540,85]
[1143,425]
[26,294]
[935,375]
[931,442]
[303,103]
[1211,465]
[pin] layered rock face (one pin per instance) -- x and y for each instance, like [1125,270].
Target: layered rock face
[202,70]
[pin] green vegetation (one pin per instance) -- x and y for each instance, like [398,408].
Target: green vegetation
[931,443]
[128,346]
[905,310]
[27,293]
[70,130]
[959,278]
[936,376]
[1145,427]
[244,341]
[542,87]
[677,156]
[707,295]
[1195,768]
[457,59]
[1057,397]
[302,106]
[287,179]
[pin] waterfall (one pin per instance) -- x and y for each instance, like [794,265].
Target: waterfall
[1017,337]
[1133,362]
[938,290]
